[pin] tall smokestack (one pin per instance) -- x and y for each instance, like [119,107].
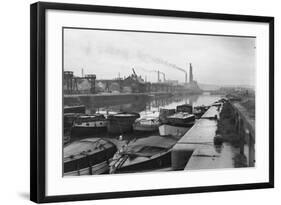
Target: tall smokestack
[185,77]
[190,73]
[164,76]
[158,76]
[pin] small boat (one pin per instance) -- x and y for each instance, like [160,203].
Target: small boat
[146,124]
[121,122]
[88,156]
[144,154]
[74,109]
[182,119]
[86,125]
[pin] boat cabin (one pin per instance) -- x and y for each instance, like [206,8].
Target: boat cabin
[184,108]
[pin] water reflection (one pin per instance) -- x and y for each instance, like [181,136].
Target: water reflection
[145,103]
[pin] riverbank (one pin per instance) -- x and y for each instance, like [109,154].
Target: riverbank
[226,128]
[197,148]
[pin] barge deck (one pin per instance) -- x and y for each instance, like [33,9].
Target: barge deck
[196,149]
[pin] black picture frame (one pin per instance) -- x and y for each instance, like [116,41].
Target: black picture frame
[38,100]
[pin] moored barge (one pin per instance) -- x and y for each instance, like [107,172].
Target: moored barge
[145,154]
[198,111]
[68,119]
[166,129]
[184,108]
[86,125]
[178,121]
[146,124]
[74,109]
[88,156]
[182,119]
[121,122]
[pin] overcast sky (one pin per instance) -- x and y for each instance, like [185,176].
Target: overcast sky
[215,59]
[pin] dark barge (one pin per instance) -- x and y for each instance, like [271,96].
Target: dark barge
[145,155]
[74,109]
[87,125]
[88,156]
[121,122]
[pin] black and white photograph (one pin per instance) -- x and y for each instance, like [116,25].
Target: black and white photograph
[135,102]
[147,101]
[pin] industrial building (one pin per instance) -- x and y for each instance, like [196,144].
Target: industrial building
[132,84]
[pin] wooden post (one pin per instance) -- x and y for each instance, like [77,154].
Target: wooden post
[242,136]
[251,150]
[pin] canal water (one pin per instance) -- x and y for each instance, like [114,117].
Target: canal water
[147,105]
[152,103]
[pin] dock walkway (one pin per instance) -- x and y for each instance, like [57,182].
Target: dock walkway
[196,149]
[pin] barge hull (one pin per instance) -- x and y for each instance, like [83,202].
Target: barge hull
[161,161]
[78,132]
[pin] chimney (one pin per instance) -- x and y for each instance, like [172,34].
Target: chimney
[185,77]
[164,76]
[190,73]
[158,75]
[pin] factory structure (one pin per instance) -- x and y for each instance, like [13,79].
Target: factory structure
[91,84]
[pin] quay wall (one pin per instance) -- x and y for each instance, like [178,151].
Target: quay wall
[245,127]
[198,141]
[197,150]
[110,98]
[102,99]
